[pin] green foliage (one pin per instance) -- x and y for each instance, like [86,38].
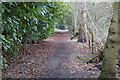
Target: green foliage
[27,22]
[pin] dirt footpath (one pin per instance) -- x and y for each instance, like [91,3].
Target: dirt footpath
[55,57]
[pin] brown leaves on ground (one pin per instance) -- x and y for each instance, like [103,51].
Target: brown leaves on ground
[51,58]
[30,62]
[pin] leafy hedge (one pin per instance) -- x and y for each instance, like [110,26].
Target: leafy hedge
[27,22]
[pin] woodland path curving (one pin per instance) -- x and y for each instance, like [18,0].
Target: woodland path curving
[54,57]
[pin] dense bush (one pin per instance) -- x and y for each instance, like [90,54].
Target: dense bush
[27,22]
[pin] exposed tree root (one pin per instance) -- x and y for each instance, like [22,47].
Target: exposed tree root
[98,58]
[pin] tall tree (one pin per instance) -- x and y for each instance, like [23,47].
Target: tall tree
[82,31]
[111,47]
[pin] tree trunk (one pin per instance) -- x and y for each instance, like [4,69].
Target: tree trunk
[119,58]
[1,59]
[75,21]
[82,29]
[81,34]
[73,30]
[111,47]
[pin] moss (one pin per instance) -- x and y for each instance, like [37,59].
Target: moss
[82,57]
[110,50]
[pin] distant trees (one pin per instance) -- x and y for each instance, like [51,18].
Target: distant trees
[98,25]
[78,21]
